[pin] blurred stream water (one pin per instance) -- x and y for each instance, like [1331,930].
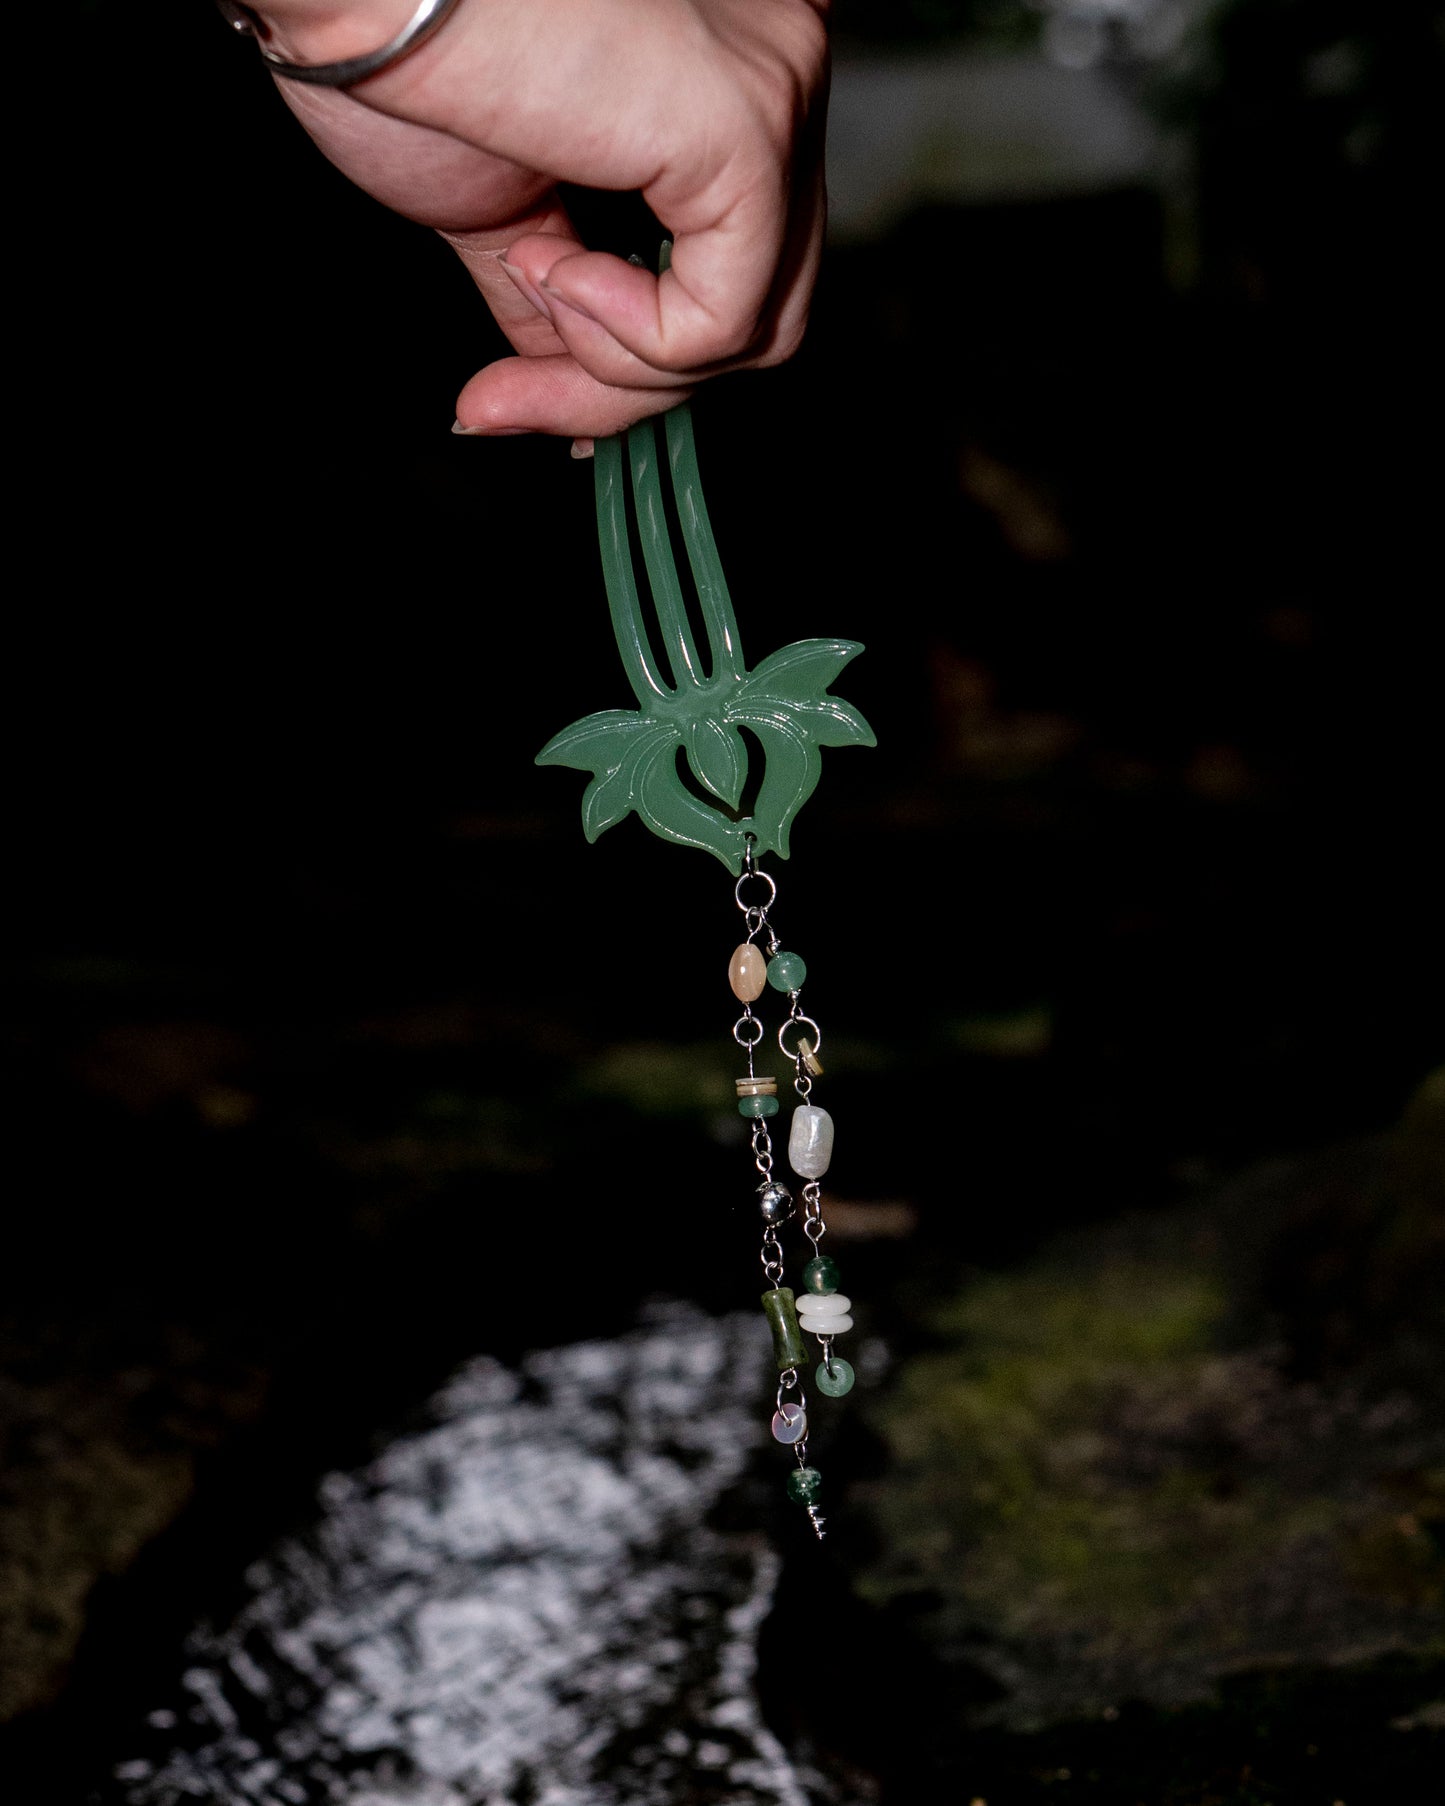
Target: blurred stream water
[523,1602]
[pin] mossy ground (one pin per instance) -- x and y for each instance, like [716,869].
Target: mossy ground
[1155,1549]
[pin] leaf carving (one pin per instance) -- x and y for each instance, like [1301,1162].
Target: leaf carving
[670,811]
[596,741]
[790,776]
[718,758]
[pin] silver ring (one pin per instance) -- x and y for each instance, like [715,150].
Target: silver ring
[815,1040]
[428,17]
[763,877]
[757,1024]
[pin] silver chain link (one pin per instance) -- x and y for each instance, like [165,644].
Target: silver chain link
[813,1225]
[772,1257]
[748,1033]
[762,1148]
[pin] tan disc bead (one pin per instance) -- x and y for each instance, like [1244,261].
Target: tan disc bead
[758,1087]
[747,973]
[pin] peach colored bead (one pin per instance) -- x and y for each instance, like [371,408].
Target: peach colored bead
[747,973]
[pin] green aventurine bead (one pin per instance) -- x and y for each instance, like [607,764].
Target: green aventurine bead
[786,972]
[804,1484]
[757,1106]
[834,1377]
[782,1315]
[821,1274]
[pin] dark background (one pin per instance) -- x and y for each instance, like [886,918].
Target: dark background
[312,973]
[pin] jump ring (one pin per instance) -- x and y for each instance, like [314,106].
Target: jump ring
[761,878]
[815,1040]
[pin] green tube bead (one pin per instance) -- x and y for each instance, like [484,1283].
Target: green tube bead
[757,1106]
[782,1316]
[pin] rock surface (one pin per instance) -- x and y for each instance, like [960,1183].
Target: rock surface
[1121,1472]
[523,1602]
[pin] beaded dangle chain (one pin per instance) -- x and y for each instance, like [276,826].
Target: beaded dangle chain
[697,708]
[819,1307]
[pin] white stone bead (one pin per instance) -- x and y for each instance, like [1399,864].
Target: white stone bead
[810,1141]
[825,1326]
[824,1304]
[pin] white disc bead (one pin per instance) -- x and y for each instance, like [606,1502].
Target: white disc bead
[810,1141]
[825,1326]
[824,1304]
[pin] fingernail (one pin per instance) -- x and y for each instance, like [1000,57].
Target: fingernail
[582,448]
[489,432]
[528,288]
[562,301]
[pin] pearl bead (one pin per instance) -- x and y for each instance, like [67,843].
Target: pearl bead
[810,1141]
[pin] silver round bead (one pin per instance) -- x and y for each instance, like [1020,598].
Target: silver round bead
[776,1203]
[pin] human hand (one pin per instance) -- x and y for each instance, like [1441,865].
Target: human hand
[711,109]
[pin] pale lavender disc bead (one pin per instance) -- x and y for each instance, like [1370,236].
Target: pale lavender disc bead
[790,1423]
[810,1141]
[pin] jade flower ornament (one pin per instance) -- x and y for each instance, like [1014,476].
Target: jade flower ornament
[784,701]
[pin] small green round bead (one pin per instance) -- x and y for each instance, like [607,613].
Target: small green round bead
[834,1378]
[804,1484]
[786,972]
[757,1106]
[821,1274]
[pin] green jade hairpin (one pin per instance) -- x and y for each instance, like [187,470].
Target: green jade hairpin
[633,756]
[632,753]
